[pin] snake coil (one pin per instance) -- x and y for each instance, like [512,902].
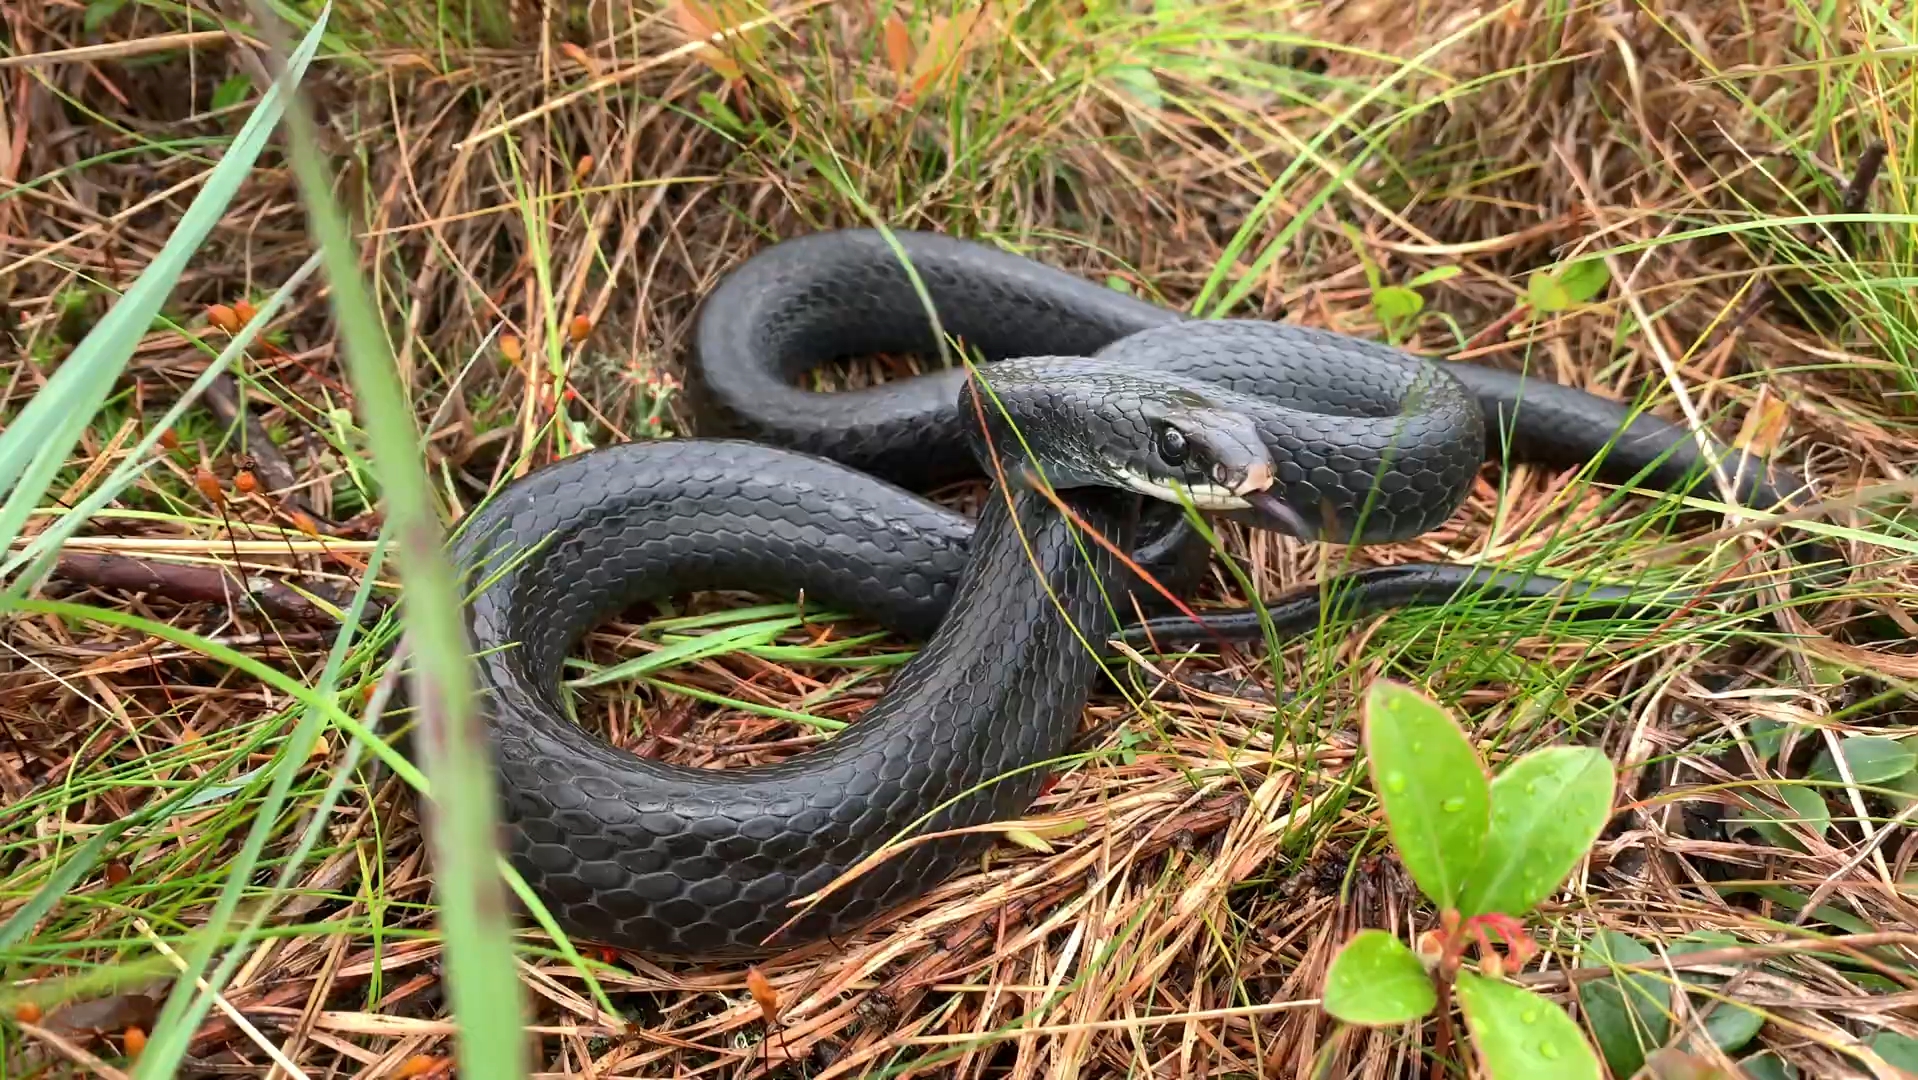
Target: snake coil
[790,490]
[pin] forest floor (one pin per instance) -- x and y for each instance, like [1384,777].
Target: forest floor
[1698,207]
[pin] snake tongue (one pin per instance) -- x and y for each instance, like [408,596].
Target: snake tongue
[1278,514]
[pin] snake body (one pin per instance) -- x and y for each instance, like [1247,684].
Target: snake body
[789,491]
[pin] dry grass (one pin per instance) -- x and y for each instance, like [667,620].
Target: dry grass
[1226,853]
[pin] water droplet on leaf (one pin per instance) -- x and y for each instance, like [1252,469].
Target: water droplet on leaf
[1454,804]
[1395,781]
[1548,1051]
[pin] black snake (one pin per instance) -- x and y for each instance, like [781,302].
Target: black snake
[1121,406]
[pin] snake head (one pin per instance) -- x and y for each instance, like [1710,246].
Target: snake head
[1214,454]
[1088,422]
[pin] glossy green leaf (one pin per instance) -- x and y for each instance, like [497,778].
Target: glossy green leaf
[1629,1015]
[1899,1051]
[1575,284]
[1520,1035]
[1396,305]
[1804,808]
[1376,979]
[1546,293]
[1436,798]
[1547,809]
[1905,791]
[1768,1066]
[1585,279]
[1434,276]
[1729,1025]
[1768,737]
[1871,759]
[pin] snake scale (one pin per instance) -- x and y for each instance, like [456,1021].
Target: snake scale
[1115,407]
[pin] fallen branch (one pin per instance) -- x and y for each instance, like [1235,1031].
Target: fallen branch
[201,584]
[223,397]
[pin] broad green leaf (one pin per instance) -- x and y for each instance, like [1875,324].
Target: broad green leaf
[1906,790]
[1899,1051]
[1871,759]
[1520,1035]
[1396,305]
[1547,809]
[1137,82]
[1572,285]
[1806,809]
[1376,979]
[1729,1025]
[1437,801]
[1630,1015]
[1768,1066]
[1767,737]
[1585,279]
[1434,276]
[231,91]
[1546,293]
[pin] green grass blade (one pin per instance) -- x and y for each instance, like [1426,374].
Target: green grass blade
[482,979]
[45,547]
[35,445]
[189,1002]
[697,648]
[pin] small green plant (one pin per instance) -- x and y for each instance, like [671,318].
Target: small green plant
[1485,851]
[1550,292]
[1397,307]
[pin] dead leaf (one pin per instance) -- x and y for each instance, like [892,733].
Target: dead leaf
[1764,427]
[765,993]
[898,45]
[699,21]
[946,45]
[104,1015]
[579,56]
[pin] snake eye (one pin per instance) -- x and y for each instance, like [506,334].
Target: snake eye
[1172,448]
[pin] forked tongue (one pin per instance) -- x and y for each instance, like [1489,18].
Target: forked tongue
[1279,514]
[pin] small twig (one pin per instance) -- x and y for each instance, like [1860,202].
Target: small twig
[223,397]
[1719,957]
[73,1051]
[115,50]
[200,584]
